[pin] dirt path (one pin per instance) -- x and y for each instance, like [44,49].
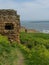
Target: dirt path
[20,60]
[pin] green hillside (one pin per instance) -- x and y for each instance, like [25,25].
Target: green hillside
[33,50]
[36,50]
[10,53]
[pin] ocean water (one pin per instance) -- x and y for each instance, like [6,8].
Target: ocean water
[42,26]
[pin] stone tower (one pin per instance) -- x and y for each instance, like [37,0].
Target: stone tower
[10,24]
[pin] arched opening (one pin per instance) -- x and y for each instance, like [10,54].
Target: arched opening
[9,26]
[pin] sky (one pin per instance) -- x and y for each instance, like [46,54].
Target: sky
[30,10]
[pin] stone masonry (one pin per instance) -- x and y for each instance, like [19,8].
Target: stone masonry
[10,24]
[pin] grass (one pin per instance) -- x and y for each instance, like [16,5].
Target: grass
[36,50]
[33,39]
[8,54]
[34,47]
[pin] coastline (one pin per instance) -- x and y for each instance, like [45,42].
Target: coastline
[23,29]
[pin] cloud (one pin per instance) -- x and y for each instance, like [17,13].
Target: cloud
[28,9]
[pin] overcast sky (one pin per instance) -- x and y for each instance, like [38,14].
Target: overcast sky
[28,9]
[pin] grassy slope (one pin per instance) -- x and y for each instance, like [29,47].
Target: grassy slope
[32,39]
[35,51]
[38,45]
[10,53]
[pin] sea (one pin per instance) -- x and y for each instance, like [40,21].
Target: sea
[41,26]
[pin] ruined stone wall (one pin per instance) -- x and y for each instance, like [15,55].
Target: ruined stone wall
[10,17]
